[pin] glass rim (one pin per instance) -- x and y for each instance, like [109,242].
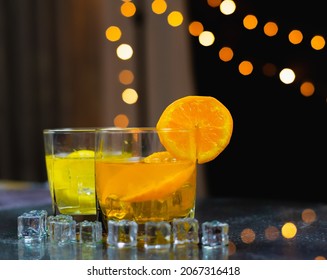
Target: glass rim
[141,129]
[68,130]
[114,129]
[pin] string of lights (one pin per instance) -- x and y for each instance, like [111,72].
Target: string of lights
[207,38]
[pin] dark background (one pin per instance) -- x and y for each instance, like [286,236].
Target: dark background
[278,147]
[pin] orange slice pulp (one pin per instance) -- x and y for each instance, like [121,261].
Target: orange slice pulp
[212,121]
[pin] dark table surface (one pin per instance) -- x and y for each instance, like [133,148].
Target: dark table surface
[256,230]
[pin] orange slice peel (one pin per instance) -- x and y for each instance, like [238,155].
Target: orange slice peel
[207,116]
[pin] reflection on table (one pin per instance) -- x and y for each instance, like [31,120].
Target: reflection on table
[272,230]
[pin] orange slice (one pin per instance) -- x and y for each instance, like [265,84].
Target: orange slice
[211,120]
[82,154]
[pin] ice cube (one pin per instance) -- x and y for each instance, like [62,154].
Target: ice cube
[32,225]
[90,232]
[122,233]
[157,235]
[61,229]
[185,231]
[214,234]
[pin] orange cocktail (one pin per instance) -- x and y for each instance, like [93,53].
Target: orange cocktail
[149,174]
[138,179]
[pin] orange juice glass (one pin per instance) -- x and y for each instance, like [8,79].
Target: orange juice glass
[138,179]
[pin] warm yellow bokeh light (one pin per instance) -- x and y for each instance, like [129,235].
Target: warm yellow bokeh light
[159,6]
[126,77]
[245,68]
[124,51]
[289,230]
[121,120]
[287,76]
[206,38]
[295,37]
[226,54]
[318,42]
[128,9]
[227,7]
[214,3]
[307,89]
[175,18]
[250,22]
[270,29]
[195,28]
[129,96]
[113,33]
[247,235]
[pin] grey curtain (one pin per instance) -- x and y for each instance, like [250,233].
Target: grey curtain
[49,77]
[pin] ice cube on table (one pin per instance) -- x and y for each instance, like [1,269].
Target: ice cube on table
[61,229]
[157,235]
[32,225]
[122,233]
[185,231]
[214,234]
[90,232]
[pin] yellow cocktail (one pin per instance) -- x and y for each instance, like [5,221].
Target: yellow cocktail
[69,155]
[71,181]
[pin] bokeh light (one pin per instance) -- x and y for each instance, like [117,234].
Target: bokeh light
[289,230]
[295,37]
[129,96]
[159,6]
[175,18]
[270,29]
[121,120]
[126,77]
[124,51]
[307,89]
[308,216]
[206,38]
[287,76]
[250,22]
[318,42]
[245,68]
[227,7]
[128,9]
[113,33]
[226,54]
[248,235]
[195,28]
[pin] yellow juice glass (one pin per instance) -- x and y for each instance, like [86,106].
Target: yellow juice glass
[138,179]
[69,156]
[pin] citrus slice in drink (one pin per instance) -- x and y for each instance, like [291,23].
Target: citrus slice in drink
[82,154]
[210,119]
[162,180]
